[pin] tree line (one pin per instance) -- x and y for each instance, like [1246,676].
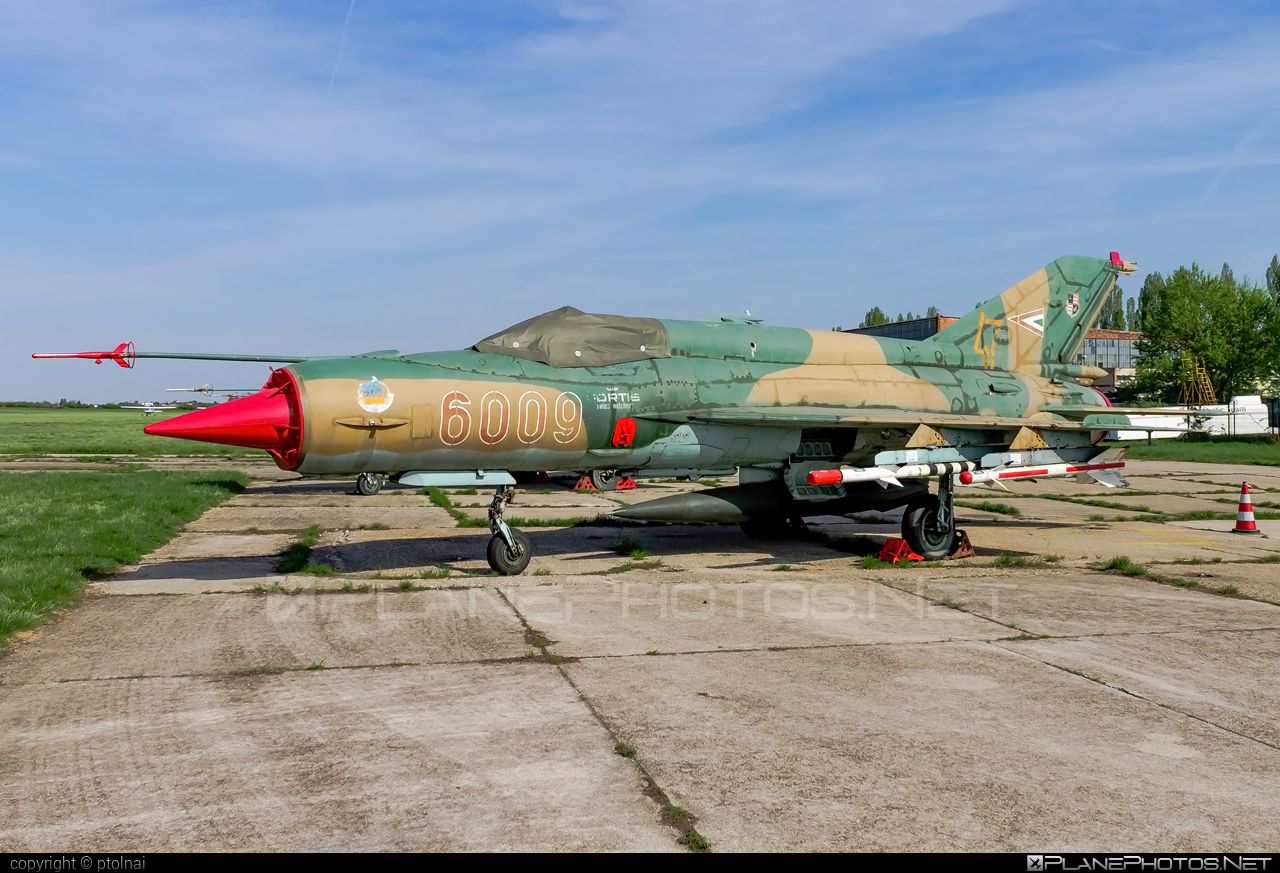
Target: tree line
[1231,325]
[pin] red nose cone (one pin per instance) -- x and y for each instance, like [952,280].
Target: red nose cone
[270,419]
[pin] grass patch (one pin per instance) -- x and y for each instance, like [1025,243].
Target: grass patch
[318,570]
[37,432]
[440,499]
[628,548]
[1007,560]
[1269,559]
[1052,559]
[542,571]
[435,573]
[988,506]
[1102,504]
[1096,517]
[624,750]
[675,813]
[296,555]
[1121,564]
[377,525]
[59,529]
[1229,590]
[1259,449]
[694,840]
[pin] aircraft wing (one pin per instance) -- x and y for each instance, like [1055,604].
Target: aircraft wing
[1101,419]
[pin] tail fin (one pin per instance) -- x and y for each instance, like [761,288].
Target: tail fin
[1042,320]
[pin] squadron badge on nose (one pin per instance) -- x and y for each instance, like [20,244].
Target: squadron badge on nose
[374,396]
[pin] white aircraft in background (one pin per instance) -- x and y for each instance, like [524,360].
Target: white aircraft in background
[149,408]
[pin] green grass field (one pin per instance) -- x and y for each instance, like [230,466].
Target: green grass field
[57,530]
[96,432]
[1219,450]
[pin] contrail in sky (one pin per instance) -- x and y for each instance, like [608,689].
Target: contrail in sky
[341,46]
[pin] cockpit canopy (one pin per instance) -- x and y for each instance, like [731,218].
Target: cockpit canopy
[568,337]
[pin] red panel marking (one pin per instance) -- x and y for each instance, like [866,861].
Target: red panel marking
[624,432]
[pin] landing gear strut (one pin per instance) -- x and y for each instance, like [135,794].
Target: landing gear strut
[509,549]
[369,484]
[929,524]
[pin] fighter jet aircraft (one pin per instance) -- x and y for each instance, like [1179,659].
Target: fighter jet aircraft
[817,422]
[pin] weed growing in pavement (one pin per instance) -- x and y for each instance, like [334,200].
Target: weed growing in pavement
[435,573]
[694,840]
[629,548]
[1052,559]
[1007,560]
[1121,564]
[296,555]
[988,506]
[624,750]
[317,665]
[542,571]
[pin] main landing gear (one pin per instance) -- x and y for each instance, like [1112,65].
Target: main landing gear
[929,524]
[605,480]
[509,549]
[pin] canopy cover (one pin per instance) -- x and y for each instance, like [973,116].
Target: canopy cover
[568,337]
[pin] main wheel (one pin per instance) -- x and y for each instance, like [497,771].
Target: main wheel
[604,480]
[368,484]
[920,530]
[501,559]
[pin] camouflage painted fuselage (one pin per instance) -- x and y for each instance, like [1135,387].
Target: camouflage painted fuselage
[726,394]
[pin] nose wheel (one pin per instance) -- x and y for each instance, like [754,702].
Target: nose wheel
[509,549]
[369,484]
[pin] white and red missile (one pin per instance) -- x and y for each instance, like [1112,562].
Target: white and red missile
[888,475]
[966,470]
[980,476]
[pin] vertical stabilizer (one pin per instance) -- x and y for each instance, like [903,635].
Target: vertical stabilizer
[1042,320]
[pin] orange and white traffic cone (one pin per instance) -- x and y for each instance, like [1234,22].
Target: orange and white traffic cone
[1244,516]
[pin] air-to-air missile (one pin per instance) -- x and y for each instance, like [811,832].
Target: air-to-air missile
[817,422]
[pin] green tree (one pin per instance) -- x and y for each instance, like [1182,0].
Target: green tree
[874,317]
[1273,279]
[1131,314]
[1233,326]
[932,313]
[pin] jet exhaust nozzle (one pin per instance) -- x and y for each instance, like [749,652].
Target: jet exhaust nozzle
[270,420]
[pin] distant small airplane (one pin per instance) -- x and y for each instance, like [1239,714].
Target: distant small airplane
[150,408]
[208,390]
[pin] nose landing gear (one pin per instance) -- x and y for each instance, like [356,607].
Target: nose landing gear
[509,549]
[369,484]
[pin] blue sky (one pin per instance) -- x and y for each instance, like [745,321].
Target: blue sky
[330,178]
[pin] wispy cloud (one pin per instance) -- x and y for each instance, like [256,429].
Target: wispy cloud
[801,159]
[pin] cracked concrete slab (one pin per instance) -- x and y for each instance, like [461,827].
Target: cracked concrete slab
[944,747]
[1057,603]
[643,612]
[447,758]
[1169,669]
[237,633]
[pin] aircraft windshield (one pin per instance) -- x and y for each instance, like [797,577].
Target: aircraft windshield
[568,337]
